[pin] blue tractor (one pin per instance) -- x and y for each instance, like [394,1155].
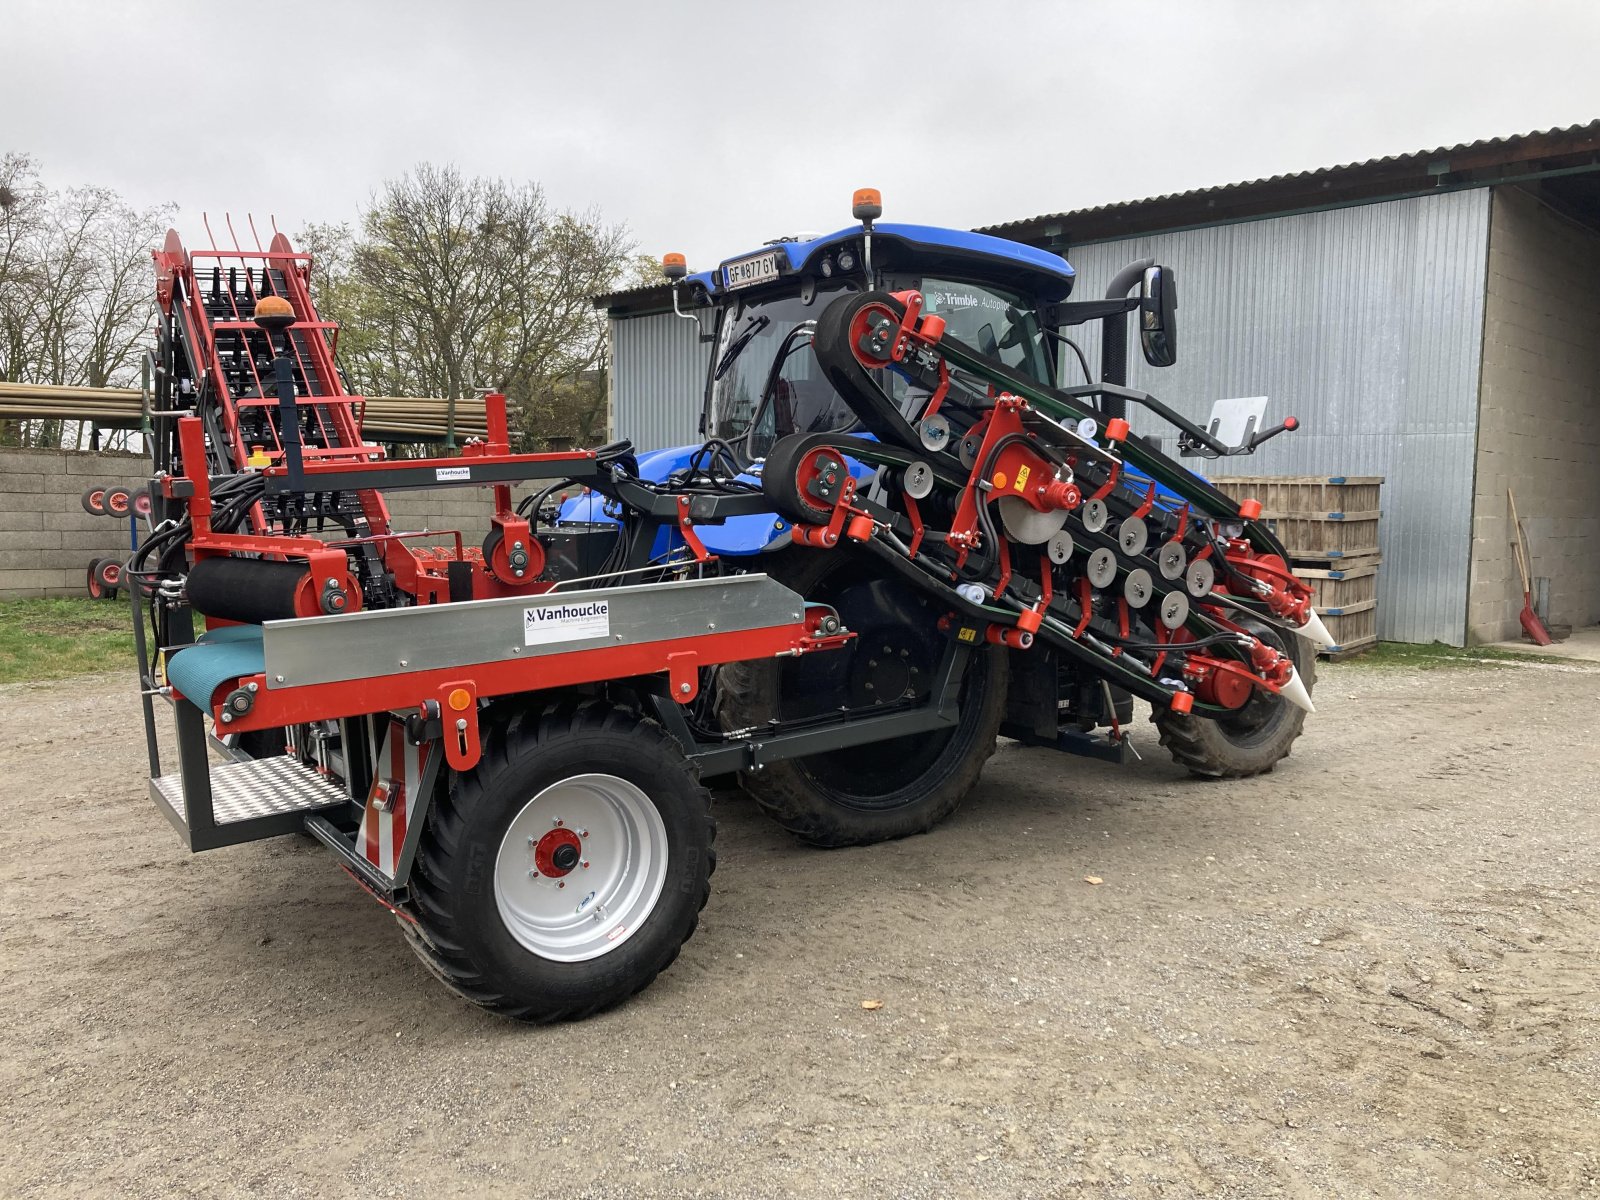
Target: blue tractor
[899,350]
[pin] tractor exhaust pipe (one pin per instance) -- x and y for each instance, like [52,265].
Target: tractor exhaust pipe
[1114,338]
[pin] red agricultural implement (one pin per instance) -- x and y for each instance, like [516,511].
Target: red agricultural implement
[504,742]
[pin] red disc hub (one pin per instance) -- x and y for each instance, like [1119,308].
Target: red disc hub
[557,852]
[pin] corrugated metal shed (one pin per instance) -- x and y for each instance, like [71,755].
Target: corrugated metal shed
[1544,153]
[1366,323]
[657,379]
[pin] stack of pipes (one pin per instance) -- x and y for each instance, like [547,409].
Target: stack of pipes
[384,418]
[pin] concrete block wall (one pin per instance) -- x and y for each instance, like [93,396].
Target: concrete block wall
[46,539]
[1538,418]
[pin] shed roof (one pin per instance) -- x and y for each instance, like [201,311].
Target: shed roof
[1540,154]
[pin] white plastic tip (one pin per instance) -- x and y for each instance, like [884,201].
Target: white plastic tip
[1315,632]
[1294,691]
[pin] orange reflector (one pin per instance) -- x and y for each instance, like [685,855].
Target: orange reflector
[460,699]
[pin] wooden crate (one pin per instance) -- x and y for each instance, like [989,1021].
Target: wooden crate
[1354,628]
[1305,493]
[1325,535]
[1333,589]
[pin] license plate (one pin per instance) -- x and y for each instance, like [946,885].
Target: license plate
[757,268]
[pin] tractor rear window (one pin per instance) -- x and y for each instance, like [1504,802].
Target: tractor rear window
[996,323]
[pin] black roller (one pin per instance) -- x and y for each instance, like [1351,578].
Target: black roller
[245,589]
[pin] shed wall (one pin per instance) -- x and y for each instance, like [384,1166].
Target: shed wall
[1366,323]
[657,380]
[1537,428]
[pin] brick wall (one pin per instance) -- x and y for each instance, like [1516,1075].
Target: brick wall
[1538,419]
[47,540]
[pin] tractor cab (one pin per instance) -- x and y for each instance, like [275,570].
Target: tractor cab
[760,310]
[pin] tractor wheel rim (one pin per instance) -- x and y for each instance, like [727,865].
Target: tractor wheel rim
[571,913]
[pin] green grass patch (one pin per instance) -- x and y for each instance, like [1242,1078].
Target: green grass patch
[56,639]
[1431,657]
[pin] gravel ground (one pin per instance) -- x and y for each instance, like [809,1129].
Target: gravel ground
[1370,973]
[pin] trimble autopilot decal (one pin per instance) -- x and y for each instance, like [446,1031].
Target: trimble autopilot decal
[566,622]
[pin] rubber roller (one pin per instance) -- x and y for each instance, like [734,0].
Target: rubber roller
[254,590]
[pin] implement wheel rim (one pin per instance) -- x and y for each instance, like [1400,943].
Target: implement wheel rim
[576,912]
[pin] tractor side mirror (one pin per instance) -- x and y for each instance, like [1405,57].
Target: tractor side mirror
[1158,322]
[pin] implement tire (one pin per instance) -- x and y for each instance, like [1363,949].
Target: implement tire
[565,871]
[1257,739]
[884,790]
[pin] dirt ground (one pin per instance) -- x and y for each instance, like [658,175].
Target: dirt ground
[1370,973]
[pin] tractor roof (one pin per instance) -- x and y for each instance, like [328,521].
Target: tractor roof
[928,248]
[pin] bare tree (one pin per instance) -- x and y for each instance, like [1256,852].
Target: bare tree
[74,288]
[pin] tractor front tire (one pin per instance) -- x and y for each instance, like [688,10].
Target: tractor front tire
[565,871]
[1257,737]
[885,790]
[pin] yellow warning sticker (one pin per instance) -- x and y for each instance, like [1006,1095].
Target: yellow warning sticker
[967,634]
[1022,477]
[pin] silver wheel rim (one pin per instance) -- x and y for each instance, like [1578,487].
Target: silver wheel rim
[597,904]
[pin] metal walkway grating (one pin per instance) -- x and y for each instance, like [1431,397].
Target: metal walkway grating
[263,788]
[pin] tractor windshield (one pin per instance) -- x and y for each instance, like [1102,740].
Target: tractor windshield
[765,382]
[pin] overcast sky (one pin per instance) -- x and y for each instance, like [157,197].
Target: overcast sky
[710,127]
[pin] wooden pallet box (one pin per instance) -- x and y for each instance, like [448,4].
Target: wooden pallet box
[1335,588]
[1353,629]
[1305,493]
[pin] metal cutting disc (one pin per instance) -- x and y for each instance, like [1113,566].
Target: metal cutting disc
[918,480]
[1026,524]
[1172,560]
[967,449]
[1199,578]
[1060,547]
[1174,609]
[1138,587]
[934,432]
[1095,515]
[1102,567]
[1133,535]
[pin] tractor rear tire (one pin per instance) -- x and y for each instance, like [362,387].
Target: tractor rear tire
[885,790]
[1253,742]
[503,921]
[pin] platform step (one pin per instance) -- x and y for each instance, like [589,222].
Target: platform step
[266,787]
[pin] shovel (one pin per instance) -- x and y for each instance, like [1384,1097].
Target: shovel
[1531,624]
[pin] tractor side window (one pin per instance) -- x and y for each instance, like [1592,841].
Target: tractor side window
[765,380]
[997,323]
